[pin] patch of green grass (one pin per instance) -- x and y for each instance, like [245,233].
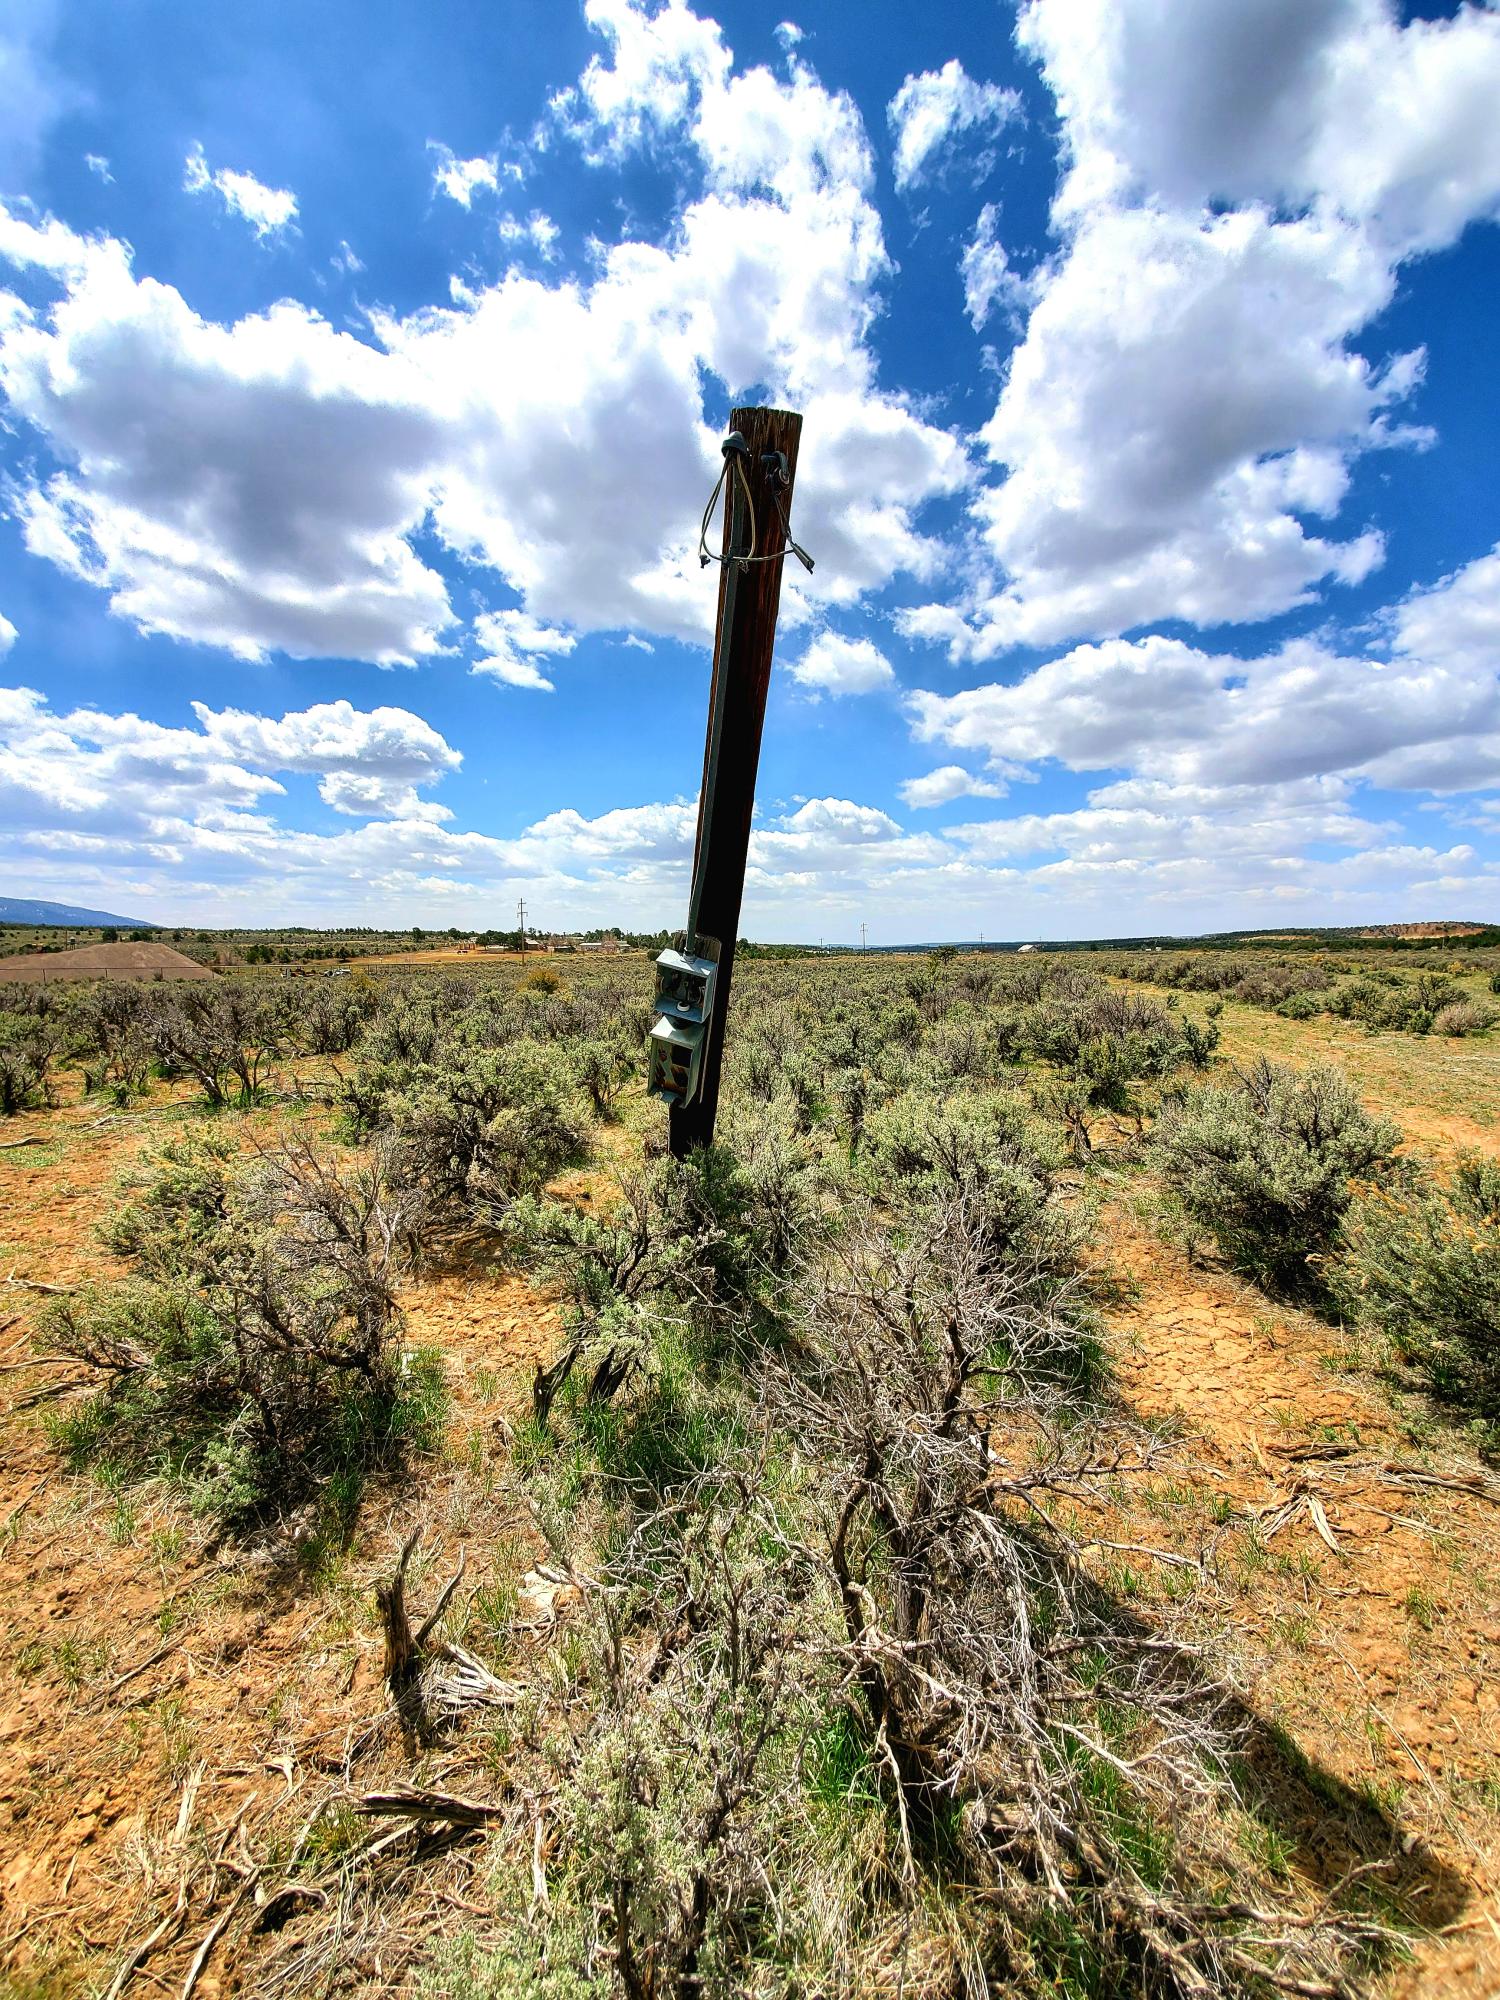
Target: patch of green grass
[1141,1840]
[1383,1795]
[79,1662]
[1068,1964]
[48,1154]
[1420,1607]
[46,1978]
[336,1833]
[1295,1630]
[419,1411]
[179,1736]
[492,1614]
[1269,1846]
[1121,1579]
[837,1771]
[165,1543]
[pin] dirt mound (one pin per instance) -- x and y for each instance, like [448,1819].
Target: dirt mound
[103,961]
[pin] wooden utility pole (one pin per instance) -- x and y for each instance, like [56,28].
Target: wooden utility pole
[749,598]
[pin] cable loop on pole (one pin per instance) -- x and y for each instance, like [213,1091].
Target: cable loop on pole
[735,453]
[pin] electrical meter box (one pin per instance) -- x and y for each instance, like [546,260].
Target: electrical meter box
[684,1002]
[685,986]
[676,1059]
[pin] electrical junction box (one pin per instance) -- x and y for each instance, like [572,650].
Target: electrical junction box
[684,1001]
[685,986]
[676,1059]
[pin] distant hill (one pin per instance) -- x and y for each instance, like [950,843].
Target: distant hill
[1349,937]
[22,910]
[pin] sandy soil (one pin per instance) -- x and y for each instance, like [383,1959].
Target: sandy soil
[1364,1599]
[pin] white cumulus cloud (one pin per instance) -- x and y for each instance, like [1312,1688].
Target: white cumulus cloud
[261,485]
[835,665]
[510,643]
[1230,167]
[460,180]
[990,279]
[949,781]
[1425,717]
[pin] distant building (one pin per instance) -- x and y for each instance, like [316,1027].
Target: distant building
[1030,947]
[609,947]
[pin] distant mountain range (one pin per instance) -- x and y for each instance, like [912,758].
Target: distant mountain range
[1348,937]
[22,910]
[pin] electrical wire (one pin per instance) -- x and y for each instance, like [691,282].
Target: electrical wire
[750,555]
[705,555]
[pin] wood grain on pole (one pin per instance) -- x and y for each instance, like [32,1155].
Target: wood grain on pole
[743,655]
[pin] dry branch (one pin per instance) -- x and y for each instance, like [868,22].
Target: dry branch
[421,1803]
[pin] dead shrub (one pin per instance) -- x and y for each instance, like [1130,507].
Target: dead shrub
[1462,1017]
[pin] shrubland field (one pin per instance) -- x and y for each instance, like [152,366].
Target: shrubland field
[1018,1517]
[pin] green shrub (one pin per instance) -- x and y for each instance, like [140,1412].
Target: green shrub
[225,1034]
[1381,1002]
[481,1126]
[603,1068]
[332,1014]
[989,1151]
[1266,1164]
[253,1355]
[1421,1267]
[29,1045]
[114,1036]
[1107,1040]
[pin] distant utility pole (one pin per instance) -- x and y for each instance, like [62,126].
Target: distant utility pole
[758,499]
[861,935]
[521,923]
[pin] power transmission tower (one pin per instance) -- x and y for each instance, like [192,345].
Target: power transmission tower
[758,499]
[861,935]
[521,923]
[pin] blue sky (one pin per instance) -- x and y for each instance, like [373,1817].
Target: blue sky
[363,369]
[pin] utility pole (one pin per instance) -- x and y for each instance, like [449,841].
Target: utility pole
[758,501]
[521,923]
[861,935]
